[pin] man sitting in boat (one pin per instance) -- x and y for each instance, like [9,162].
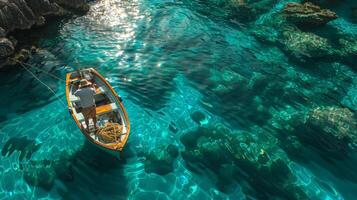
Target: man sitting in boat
[86,94]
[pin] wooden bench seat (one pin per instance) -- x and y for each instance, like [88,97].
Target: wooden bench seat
[100,110]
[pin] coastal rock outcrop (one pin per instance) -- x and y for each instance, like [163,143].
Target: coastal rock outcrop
[6,48]
[23,14]
[308,14]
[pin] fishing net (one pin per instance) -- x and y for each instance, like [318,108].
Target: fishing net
[110,133]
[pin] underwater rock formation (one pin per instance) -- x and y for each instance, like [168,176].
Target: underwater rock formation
[161,160]
[337,126]
[235,92]
[23,14]
[308,14]
[330,130]
[305,45]
[241,156]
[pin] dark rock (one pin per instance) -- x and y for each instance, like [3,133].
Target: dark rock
[15,14]
[6,48]
[33,49]
[161,160]
[198,117]
[308,14]
[2,32]
[13,40]
[45,8]
[23,14]
[77,5]
[40,21]
[22,56]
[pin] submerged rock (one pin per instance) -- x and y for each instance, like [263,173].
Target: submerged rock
[308,14]
[6,48]
[242,156]
[305,45]
[330,130]
[161,160]
[337,127]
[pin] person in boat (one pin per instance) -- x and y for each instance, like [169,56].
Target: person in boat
[86,92]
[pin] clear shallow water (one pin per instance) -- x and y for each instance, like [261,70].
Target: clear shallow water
[180,67]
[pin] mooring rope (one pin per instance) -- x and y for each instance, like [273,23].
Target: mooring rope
[41,70]
[39,80]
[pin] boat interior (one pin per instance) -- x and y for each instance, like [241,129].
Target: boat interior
[108,110]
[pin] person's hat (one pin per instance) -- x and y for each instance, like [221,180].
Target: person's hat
[84,83]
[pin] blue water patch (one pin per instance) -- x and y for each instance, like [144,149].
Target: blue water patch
[222,105]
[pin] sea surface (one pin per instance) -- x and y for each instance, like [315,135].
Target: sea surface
[216,113]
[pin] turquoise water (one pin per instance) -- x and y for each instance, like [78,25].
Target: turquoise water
[215,112]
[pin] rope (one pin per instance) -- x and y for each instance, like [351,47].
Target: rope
[111,132]
[53,76]
[48,87]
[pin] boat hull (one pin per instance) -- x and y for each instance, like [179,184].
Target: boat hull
[114,109]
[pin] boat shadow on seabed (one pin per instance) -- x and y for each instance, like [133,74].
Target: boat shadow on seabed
[89,173]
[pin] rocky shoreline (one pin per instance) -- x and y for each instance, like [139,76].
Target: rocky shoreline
[18,15]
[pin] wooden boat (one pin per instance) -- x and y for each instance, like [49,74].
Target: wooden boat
[111,114]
